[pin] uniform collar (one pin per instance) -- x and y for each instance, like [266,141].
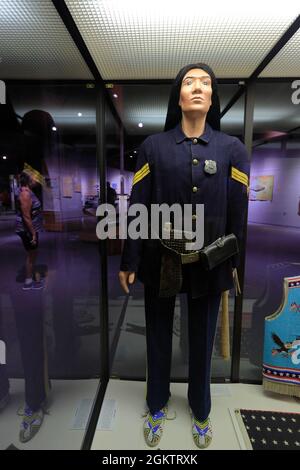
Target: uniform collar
[180,136]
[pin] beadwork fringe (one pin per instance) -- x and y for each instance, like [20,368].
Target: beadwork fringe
[285,389]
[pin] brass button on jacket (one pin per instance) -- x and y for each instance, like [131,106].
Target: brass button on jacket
[195,161]
[195,189]
[195,141]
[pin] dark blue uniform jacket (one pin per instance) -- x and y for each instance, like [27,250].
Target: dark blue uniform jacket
[170,169]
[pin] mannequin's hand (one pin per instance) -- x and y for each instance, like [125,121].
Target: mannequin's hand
[126,278]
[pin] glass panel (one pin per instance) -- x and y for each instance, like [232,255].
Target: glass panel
[49,296]
[114,182]
[232,123]
[273,219]
[135,104]
[147,104]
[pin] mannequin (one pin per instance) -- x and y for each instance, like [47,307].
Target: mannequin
[190,138]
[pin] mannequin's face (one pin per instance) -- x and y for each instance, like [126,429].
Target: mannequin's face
[195,92]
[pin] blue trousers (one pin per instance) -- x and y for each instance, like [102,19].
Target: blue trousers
[202,322]
[28,307]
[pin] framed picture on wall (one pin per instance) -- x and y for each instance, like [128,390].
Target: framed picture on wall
[261,188]
[67,186]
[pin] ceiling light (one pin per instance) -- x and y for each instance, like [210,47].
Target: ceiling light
[4,157]
[115,95]
[79,114]
[141,124]
[54,129]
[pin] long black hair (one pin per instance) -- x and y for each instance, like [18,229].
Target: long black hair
[25,179]
[174,110]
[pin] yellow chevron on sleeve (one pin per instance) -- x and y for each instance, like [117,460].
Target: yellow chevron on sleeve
[34,174]
[140,177]
[239,176]
[240,181]
[141,174]
[238,173]
[144,168]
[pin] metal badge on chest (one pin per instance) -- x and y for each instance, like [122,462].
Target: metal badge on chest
[210,167]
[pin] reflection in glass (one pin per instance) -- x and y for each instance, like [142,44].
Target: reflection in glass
[273,217]
[49,299]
